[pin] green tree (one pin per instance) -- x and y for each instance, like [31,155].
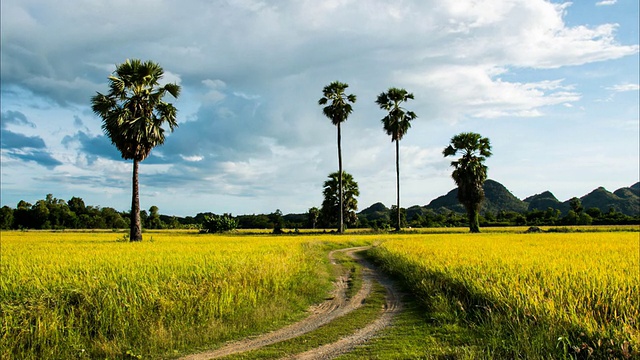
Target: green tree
[403,215]
[219,223]
[337,110]
[40,215]
[133,114]
[396,124]
[6,218]
[594,212]
[331,205]
[277,221]
[111,218]
[76,204]
[154,221]
[552,215]
[22,216]
[576,205]
[314,214]
[469,172]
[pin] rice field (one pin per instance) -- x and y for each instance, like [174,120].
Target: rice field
[88,295]
[74,295]
[573,295]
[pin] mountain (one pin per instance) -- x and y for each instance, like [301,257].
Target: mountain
[625,193]
[625,201]
[375,212]
[544,201]
[497,198]
[446,202]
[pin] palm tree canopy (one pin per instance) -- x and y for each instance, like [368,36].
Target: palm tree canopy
[474,149]
[397,122]
[469,170]
[349,186]
[133,111]
[331,202]
[339,107]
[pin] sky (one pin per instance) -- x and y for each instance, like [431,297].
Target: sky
[554,85]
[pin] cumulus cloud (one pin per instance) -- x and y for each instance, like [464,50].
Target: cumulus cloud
[481,92]
[606,2]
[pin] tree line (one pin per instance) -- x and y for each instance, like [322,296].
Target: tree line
[51,213]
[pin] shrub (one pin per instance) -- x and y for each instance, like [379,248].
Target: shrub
[219,223]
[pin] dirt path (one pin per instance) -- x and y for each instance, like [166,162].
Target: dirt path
[335,306]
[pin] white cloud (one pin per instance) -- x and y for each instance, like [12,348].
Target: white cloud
[194,158]
[606,2]
[214,84]
[478,91]
[215,93]
[624,87]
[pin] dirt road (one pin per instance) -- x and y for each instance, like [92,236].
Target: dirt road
[336,306]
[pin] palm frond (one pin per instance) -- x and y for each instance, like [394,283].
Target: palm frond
[398,120]
[339,107]
[133,112]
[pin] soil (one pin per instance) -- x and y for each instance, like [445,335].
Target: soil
[336,305]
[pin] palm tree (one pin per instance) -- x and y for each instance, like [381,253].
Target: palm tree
[313,215]
[396,124]
[332,201]
[133,115]
[338,111]
[470,172]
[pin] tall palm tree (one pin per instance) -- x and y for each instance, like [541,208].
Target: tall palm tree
[337,111]
[396,124]
[470,172]
[133,114]
[332,199]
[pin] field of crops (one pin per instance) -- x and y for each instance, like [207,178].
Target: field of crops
[75,295]
[525,295]
[68,295]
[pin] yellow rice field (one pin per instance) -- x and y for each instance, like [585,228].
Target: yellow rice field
[68,295]
[538,292]
[88,295]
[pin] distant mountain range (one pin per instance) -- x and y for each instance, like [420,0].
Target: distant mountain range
[497,198]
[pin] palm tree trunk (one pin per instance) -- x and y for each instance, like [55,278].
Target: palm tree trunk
[474,218]
[136,228]
[398,182]
[340,189]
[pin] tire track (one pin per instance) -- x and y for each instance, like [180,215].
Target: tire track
[335,306]
[393,306]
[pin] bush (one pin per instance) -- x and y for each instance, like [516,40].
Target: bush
[218,223]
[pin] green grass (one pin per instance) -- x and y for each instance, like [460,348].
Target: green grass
[416,334]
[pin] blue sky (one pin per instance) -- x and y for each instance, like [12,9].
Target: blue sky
[553,85]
